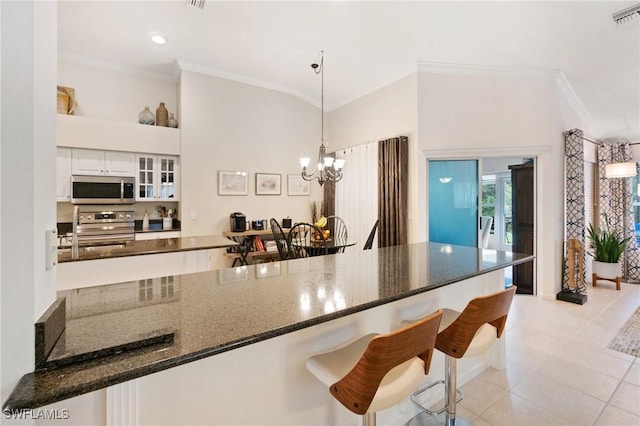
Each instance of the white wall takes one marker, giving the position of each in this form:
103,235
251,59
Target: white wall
237,127
471,115
498,164
388,112
483,114
115,95
27,170
491,114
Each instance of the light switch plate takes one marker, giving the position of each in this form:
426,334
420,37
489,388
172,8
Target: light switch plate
194,215
51,242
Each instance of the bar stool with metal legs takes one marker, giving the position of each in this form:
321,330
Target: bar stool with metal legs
378,370
464,334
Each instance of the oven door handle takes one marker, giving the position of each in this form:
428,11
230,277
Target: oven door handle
121,189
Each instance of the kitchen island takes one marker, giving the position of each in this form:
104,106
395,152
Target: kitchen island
261,322
97,265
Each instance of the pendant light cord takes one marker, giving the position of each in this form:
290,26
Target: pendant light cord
319,69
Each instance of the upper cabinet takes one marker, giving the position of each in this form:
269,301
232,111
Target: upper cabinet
157,177
63,174
95,133
102,163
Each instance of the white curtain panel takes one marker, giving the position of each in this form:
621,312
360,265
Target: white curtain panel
357,192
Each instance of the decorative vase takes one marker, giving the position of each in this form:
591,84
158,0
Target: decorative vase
606,270
172,121
162,116
146,116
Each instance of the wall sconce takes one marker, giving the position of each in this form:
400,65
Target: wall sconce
620,170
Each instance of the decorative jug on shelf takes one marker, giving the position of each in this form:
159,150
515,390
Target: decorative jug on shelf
162,115
146,116
172,121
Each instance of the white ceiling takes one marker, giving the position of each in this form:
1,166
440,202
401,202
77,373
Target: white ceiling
368,45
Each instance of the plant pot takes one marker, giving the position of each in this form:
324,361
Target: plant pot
606,270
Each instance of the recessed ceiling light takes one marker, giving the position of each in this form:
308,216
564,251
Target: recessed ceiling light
158,39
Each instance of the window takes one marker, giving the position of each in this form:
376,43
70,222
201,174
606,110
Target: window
496,202
489,198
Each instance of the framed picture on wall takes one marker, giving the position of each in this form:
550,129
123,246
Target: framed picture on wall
233,183
298,186
268,183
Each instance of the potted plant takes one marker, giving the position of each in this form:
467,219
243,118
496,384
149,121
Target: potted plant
607,247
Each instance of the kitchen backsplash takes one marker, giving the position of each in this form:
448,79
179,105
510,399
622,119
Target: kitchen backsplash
65,210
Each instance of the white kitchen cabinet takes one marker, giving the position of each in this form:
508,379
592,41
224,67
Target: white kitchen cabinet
63,174
157,177
102,163
140,236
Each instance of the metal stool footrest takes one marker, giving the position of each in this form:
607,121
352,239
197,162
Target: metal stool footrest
427,387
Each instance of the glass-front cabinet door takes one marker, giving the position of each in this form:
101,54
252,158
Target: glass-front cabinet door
157,177
168,166
145,178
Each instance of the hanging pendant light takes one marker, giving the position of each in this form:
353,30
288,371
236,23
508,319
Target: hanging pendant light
328,168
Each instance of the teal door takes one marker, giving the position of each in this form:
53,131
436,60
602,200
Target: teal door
453,202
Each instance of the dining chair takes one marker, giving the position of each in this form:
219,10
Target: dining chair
338,229
371,237
280,239
306,240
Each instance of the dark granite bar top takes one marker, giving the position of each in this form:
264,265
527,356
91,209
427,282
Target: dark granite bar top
217,311
156,246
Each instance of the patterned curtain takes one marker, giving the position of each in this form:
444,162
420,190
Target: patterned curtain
393,171
616,201
574,204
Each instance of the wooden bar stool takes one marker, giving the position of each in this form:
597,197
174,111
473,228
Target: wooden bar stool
464,334
378,370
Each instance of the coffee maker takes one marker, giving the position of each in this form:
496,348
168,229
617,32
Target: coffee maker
237,222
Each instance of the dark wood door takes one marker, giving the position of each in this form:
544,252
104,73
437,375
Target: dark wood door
522,211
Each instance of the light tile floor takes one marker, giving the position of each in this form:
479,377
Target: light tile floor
559,370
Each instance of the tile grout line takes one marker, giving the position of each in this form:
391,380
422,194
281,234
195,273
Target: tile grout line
608,402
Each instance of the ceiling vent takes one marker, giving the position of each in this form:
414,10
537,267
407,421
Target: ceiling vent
196,3
627,14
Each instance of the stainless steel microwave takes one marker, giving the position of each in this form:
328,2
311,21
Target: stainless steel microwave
102,190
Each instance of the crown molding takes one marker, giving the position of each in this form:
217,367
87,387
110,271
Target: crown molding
557,76
488,70
374,87
567,90
113,66
213,72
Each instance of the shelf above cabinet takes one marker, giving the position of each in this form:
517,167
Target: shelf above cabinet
94,133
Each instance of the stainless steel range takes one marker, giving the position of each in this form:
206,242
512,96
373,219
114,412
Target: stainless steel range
105,227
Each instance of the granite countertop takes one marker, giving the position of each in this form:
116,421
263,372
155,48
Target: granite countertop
212,312
143,247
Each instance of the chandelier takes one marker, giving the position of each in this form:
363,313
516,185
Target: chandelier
328,167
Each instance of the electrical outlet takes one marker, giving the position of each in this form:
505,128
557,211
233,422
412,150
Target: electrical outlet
155,213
